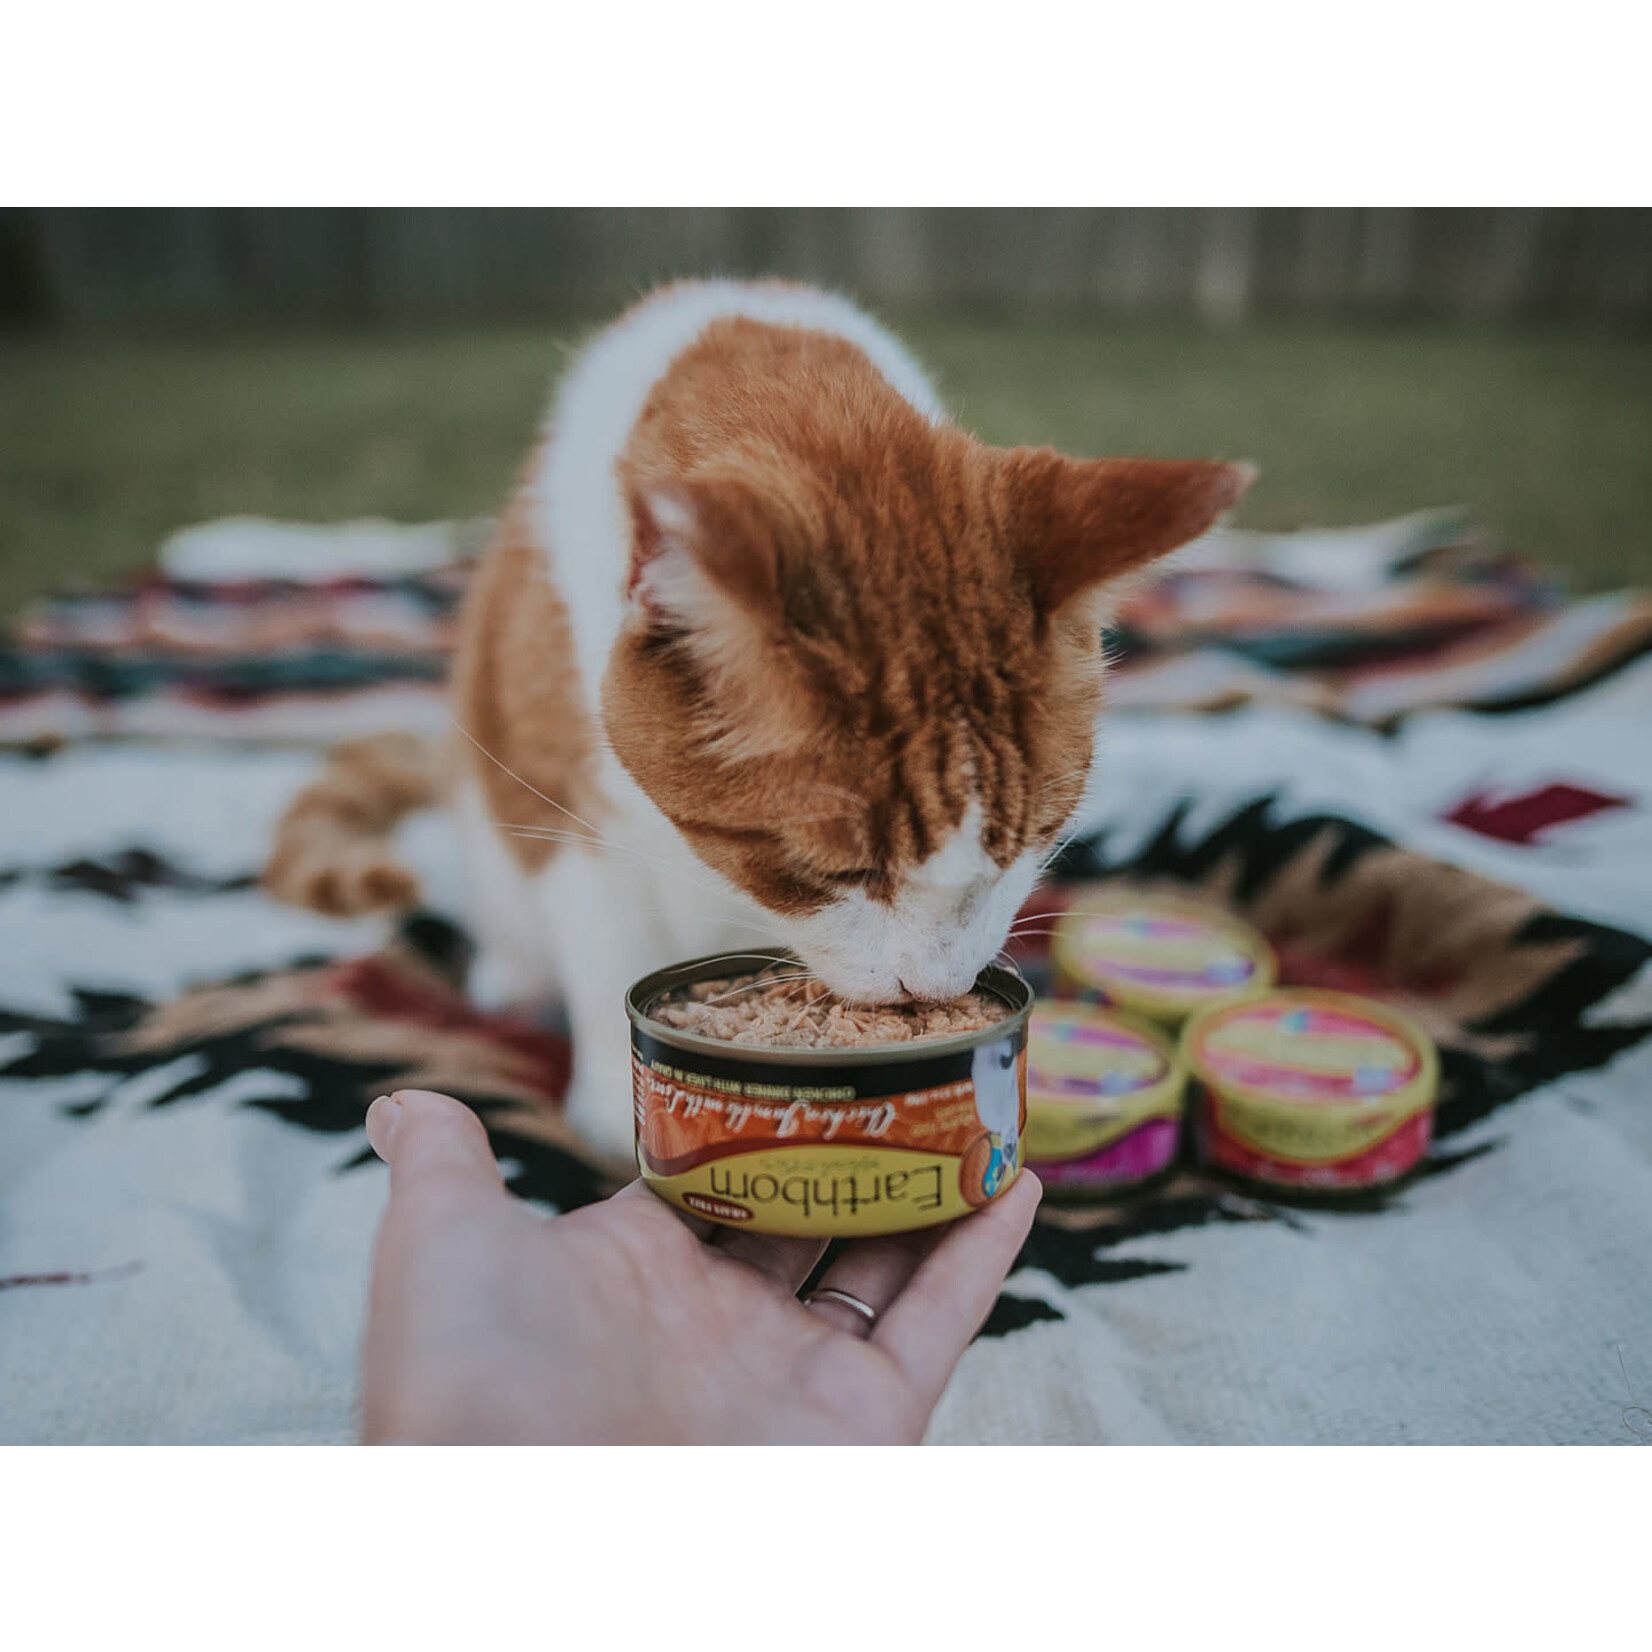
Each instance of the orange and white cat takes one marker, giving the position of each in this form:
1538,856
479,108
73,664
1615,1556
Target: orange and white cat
765,649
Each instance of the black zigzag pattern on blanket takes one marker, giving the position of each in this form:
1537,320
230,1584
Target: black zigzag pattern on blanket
124,877
322,1093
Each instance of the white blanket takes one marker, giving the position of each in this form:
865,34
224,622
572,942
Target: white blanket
184,1250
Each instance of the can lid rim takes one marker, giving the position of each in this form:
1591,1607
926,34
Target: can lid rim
1417,1094
1009,988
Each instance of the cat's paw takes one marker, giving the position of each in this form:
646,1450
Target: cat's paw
348,880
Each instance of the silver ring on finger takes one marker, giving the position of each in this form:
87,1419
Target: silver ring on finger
830,1293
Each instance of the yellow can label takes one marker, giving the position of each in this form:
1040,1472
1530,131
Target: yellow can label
1303,1136
837,1152
1092,1078
810,1191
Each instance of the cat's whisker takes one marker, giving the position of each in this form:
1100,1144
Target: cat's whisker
1062,779
1059,847
527,786
767,981
804,820
763,932
858,802
554,834
606,845
561,834
596,837
1064,838
761,979
727,917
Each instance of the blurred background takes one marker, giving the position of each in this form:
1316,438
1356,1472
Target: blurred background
164,367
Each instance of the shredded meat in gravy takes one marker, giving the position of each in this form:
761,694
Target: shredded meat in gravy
801,1014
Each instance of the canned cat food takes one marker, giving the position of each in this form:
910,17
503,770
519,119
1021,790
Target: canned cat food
1160,956
1104,1097
837,1136
1313,1090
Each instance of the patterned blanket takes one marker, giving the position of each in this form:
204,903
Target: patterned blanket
1404,756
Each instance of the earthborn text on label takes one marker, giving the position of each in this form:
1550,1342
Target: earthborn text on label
869,1141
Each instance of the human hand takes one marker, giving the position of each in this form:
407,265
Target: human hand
627,1322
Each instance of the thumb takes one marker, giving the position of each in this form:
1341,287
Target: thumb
431,1142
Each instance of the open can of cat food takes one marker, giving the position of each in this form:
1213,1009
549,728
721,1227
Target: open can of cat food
883,1121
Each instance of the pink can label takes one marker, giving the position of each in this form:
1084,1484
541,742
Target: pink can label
1079,1060
1308,1054
1162,953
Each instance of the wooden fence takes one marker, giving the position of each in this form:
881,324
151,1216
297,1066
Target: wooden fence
74,268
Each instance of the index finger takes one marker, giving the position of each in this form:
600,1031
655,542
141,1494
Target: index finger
929,1325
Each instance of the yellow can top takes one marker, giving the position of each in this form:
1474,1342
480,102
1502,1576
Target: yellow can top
1330,1060
1161,956
1092,1077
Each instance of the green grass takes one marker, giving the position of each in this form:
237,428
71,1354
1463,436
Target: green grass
106,446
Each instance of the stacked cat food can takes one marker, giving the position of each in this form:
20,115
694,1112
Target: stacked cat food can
1162,957
1104,1098
1107,1081
1167,1012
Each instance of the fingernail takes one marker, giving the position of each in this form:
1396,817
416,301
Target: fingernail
382,1118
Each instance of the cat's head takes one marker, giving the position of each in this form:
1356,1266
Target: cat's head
860,675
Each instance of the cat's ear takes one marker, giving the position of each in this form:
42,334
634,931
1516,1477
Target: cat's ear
705,572
1089,521
702,563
